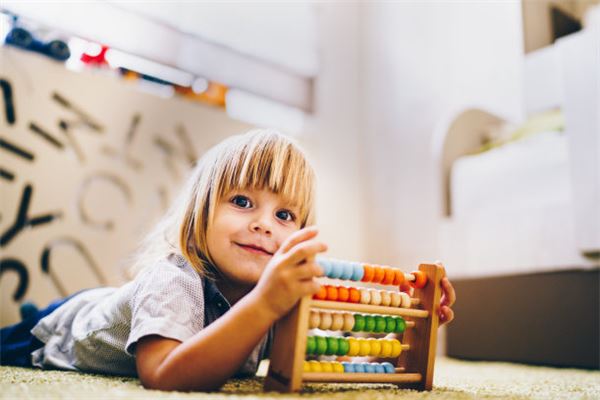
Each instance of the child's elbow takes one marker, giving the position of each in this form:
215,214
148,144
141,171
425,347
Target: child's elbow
164,383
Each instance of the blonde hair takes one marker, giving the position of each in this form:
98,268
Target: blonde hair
258,159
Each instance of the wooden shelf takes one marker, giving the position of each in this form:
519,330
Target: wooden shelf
360,377
369,309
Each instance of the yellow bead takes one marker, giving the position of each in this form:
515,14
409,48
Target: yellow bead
306,366
375,347
396,348
326,366
365,347
338,367
354,347
315,366
386,348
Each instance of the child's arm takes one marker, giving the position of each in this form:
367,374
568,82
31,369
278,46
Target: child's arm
206,360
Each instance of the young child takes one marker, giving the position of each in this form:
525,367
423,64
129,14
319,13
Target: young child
233,254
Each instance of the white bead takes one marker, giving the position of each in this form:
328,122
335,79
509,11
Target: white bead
326,321
396,299
365,296
338,322
406,303
386,298
375,297
348,322
314,320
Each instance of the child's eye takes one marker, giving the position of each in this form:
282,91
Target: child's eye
241,201
285,215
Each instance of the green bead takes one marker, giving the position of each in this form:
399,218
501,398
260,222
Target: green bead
359,323
400,325
369,323
311,345
332,346
343,347
379,324
390,324
321,345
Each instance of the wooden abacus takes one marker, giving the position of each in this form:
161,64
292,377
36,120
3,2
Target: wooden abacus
340,308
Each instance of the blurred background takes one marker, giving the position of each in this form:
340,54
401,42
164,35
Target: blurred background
467,132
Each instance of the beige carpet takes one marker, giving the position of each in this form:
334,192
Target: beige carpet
453,380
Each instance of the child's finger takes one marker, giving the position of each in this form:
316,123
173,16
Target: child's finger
308,270
299,237
309,287
449,293
446,314
304,251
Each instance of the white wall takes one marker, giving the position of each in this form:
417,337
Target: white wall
420,60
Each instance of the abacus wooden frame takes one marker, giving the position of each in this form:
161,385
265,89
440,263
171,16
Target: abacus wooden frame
286,366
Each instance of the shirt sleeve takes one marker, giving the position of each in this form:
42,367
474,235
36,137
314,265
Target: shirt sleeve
167,301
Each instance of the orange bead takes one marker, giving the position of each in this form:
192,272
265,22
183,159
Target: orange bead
388,276
405,287
378,275
420,279
322,294
368,275
332,293
343,293
354,295
398,277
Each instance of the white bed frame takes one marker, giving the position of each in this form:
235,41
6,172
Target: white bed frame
565,75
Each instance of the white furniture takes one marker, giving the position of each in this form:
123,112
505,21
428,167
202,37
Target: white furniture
532,205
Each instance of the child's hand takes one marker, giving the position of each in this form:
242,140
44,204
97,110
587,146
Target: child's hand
289,274
448,298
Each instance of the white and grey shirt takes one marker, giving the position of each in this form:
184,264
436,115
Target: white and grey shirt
97,330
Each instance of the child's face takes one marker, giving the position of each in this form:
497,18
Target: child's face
248,227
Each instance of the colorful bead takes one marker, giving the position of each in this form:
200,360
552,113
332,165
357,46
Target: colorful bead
378,368
332,293
343,293
390,324
388,367
386,298
386,348
368,273
348,367
338,322
396,299
369,369
321,345
354,295
306,366
396,348
348,322
332,346
388,276
353,347
311,345
379,324
375,347
398,277
326,321
375,297
365,296
322,294
337,367
325,265
343,347
315,366
420,279
326,366
400,325
406,302
365,347
357,272
378,274
314,320
347,271
359,367
359,323
369,323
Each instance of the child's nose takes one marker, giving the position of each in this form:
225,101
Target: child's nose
260,225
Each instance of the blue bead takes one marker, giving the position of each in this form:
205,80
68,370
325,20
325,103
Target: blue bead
358,272
389,368
370,369
359,367
378,368
336,270
347,271
348,367
326,265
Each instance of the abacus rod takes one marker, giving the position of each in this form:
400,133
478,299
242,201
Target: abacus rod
360,377
365,308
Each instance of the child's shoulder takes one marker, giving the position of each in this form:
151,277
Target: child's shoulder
172,270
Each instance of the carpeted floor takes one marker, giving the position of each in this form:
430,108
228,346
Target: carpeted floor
454,379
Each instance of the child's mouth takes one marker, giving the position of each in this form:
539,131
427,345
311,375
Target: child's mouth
254,249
